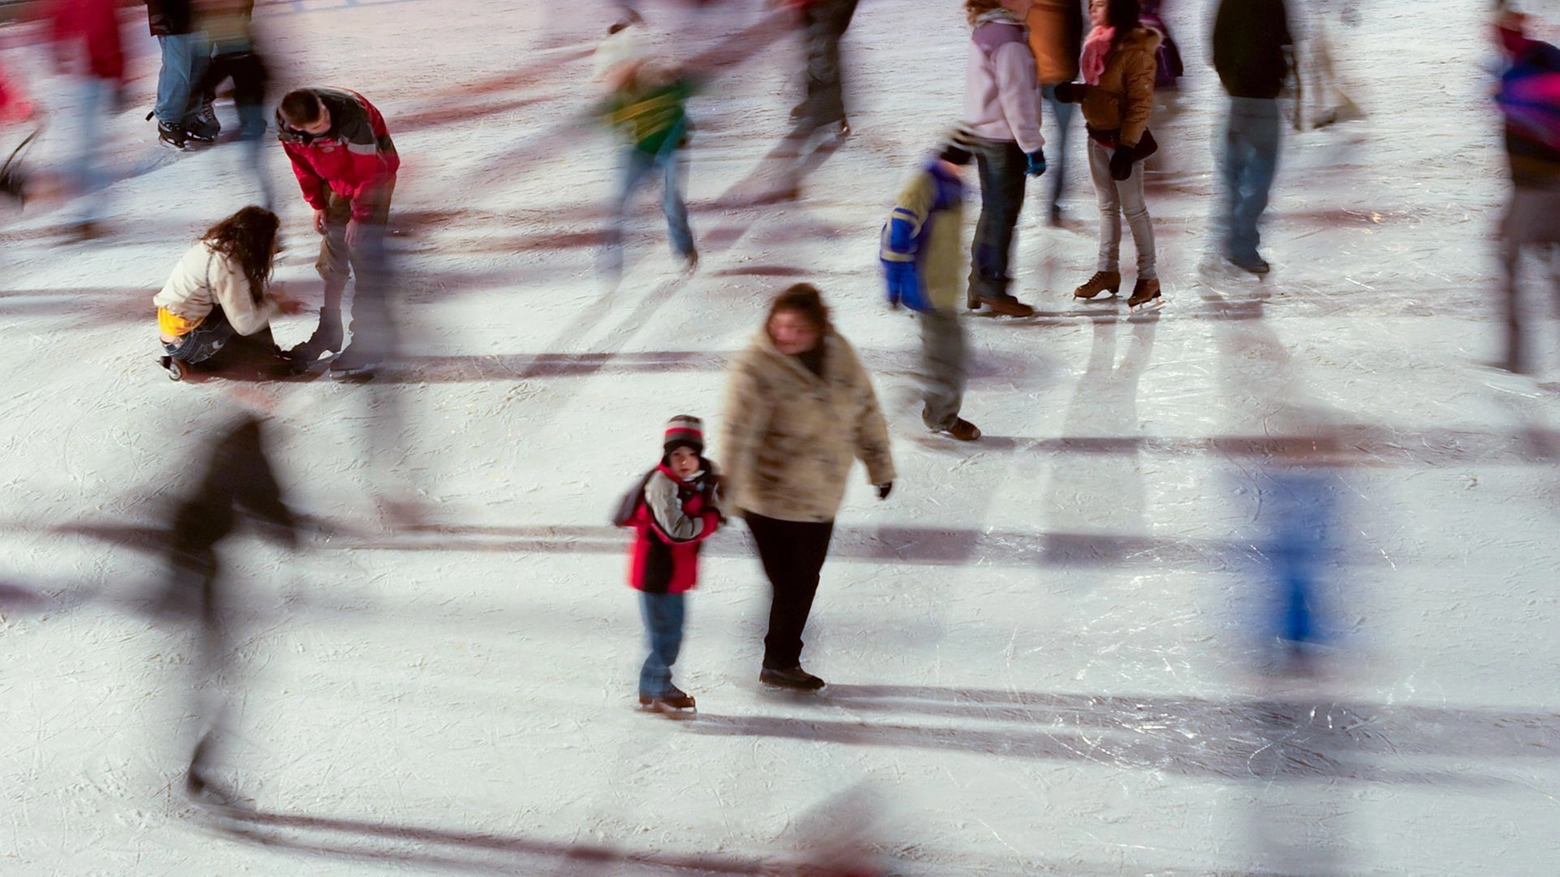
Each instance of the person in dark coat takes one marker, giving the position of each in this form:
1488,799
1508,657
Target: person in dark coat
1251,45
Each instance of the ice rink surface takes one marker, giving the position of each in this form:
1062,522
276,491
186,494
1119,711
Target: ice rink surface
1042,649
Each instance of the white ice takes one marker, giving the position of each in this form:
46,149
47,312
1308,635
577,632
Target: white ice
1039,648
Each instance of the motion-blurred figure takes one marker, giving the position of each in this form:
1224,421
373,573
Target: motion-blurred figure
1529,99
234,55
184,113
220,290
1002,108
14,108
346,165
1250,52
922,253
648,106
87,44
1117,93
1298,517
1316,70
1056,38
823,24
238,476
1168,67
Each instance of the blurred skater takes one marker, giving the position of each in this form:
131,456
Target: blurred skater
234,55
1056,38
14,108
1298,518
87,45
648,106
673,511
346,164
922,254
237,476
1001,106
1168,67
823,24
799,409
184,113
1251,43
1119,62
220,289
1318,83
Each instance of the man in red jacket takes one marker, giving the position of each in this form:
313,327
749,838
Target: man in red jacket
345,163
87,43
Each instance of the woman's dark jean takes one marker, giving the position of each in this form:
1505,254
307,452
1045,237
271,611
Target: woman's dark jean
792,553
1002,166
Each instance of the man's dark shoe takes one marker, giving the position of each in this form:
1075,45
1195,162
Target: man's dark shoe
793,678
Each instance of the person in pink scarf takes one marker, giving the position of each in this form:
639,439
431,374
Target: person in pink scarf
1117,93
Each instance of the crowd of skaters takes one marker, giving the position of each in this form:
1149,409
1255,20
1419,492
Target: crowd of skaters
786,458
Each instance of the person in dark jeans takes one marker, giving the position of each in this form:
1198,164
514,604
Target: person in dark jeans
1250,52
183,111
799,410
824,23
1056,38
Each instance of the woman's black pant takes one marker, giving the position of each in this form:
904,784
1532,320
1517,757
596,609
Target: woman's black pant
792,553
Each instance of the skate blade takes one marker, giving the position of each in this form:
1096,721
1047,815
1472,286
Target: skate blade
668,711
1148,306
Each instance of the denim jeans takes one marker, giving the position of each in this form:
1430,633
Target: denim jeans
87,180
202,342
663,614
637,165
1057,171
184,60
1002,165
1118,198
1247,162
942,367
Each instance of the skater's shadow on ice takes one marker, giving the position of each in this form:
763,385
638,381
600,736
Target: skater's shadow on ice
1236,739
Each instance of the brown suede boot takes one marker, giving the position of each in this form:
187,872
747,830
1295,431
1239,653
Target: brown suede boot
1102,281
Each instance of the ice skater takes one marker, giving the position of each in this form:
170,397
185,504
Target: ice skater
234,55
648,105
675,509
237,476
1001,106
1251,45
87,43
219,290
15,107
1529,100
1117,94
922,253
184,113
346,165
799,409
1056,38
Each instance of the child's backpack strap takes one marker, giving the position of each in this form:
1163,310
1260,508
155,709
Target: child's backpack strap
630,501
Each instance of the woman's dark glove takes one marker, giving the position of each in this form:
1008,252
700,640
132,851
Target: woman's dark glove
1068,92
885,489
1121,163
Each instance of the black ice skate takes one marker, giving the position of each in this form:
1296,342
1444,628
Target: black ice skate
1145,295
790,678
673,703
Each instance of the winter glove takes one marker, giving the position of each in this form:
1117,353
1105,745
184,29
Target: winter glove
1121,163
885,489
1068,92
903,284
1036,163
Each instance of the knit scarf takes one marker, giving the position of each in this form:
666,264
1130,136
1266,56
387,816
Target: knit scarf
1096,49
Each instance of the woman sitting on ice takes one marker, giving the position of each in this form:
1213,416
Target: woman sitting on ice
219,290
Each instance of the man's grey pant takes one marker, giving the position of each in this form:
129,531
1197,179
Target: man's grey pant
942,367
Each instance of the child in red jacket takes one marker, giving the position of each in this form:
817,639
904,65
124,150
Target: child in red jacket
676,511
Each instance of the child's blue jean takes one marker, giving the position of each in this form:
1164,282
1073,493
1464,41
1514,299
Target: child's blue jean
637,165
663,614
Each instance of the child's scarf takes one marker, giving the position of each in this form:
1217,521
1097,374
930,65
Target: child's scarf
1096,48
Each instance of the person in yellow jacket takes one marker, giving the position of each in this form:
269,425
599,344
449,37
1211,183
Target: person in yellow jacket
799,410
1119,62
219,290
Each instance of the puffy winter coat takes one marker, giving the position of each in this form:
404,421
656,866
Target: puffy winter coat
96,25
355,159
205,278
790,436
1056,38
1117,108
927,227
671,522
1000,97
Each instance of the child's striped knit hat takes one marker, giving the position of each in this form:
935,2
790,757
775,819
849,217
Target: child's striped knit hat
684,429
